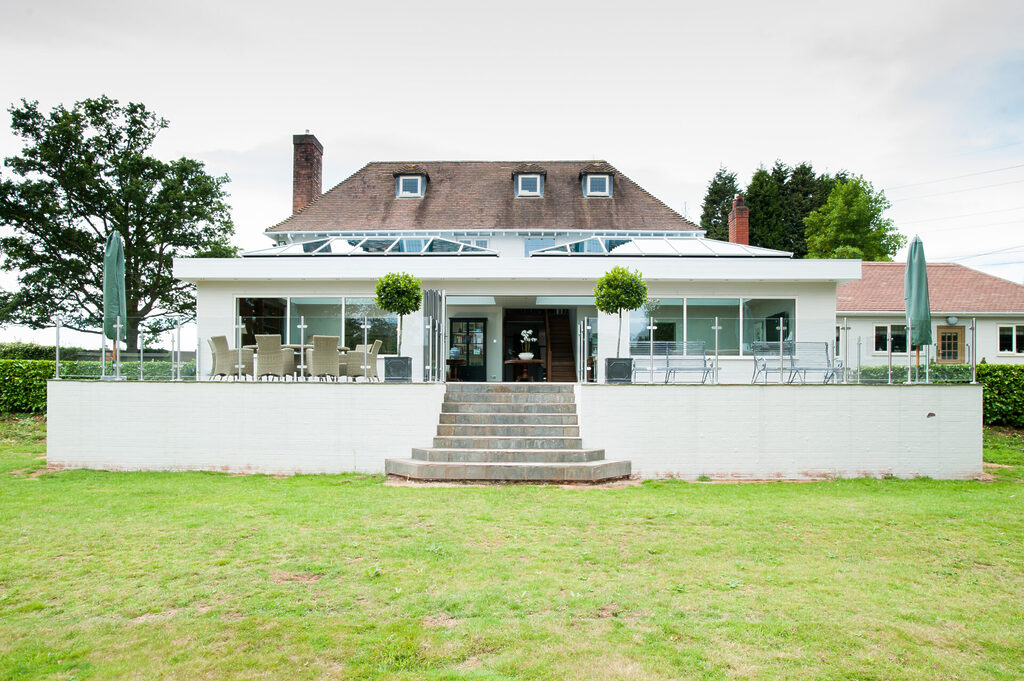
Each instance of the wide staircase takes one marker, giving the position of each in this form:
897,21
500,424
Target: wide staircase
508,432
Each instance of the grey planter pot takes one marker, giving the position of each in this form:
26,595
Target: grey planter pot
618,370
398,369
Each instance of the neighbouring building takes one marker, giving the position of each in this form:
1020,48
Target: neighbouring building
873,310
506,247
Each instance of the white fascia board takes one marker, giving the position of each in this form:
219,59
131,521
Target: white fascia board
936,313
483,268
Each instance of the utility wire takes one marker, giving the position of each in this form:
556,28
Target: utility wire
955,177
958,191
969,227
978,255
956,217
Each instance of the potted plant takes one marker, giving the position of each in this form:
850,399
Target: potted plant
399,293
527,338
618,290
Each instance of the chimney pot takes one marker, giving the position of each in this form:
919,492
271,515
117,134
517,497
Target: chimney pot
307,170
739,222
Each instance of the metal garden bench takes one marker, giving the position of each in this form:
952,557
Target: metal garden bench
672,359
794,360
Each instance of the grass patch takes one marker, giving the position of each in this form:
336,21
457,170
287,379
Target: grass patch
1004,447
210,576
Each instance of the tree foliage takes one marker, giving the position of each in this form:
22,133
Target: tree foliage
853,219
714,217
620,289
401,294
779,199
83,172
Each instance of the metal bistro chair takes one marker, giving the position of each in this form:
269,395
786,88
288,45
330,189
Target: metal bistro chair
323,360
272,358
226,360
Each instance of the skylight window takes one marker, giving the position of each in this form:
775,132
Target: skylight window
597,185
410,186
530,185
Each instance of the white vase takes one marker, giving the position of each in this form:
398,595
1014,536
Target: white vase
525,355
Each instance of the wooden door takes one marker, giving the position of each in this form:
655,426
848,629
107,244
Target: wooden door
950,345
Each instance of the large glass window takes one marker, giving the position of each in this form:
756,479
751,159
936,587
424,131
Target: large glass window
322,317
700,320
382,326
668,320
533,243
762,318
262,316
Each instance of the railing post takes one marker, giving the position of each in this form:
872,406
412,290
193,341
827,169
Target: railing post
57,348
177,364
238,348
716,329
927,364
974,349
366,349
888,340
302,345
846,348
103,353
117,347
650,337
142,352
910,348
782,357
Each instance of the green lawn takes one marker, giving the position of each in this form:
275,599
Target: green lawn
211,576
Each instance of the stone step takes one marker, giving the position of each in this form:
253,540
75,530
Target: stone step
510,397
507,430
590,471
492,418
510,388
507,455
507,408
454,442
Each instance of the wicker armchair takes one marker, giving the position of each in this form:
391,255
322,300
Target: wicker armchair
274,360
225,360
360,363
323,360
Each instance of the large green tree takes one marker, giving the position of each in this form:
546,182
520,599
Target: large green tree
766,199
84,171
852,224
714,217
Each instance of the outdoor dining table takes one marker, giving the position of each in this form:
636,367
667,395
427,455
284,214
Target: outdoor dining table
298,348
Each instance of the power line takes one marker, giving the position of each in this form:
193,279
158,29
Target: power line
956,217
958,191
978,255
955,177
970,227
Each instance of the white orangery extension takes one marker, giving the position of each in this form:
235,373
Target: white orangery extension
329,293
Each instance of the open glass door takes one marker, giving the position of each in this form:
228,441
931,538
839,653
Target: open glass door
470,337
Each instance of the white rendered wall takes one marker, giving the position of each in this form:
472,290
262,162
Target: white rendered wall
238,427
863,327
786,432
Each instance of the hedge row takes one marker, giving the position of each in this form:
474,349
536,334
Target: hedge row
33,351
23,381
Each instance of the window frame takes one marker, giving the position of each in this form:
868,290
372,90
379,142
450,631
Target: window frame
420,185
590,193
1016,330
521,194
889,336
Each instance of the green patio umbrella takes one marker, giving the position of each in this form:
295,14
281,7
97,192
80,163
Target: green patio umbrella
113,288
915,297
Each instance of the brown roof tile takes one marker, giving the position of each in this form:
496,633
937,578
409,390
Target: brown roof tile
478,195
951,288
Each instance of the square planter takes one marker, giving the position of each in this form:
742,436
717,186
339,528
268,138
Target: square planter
618,370
398,369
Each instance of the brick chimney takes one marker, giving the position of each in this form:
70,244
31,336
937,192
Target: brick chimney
739,222
307,170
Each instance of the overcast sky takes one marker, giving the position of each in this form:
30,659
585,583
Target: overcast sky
905,93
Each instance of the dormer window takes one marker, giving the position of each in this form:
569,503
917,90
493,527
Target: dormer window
595,184
410,186
529,185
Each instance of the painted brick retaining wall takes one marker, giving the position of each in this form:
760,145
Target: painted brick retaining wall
239,427
784,431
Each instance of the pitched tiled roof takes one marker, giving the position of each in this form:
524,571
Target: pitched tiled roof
478,195
951,288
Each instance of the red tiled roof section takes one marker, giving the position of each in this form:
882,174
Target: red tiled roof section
951,288
478,195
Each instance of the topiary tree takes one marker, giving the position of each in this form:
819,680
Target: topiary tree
620,289
401,294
